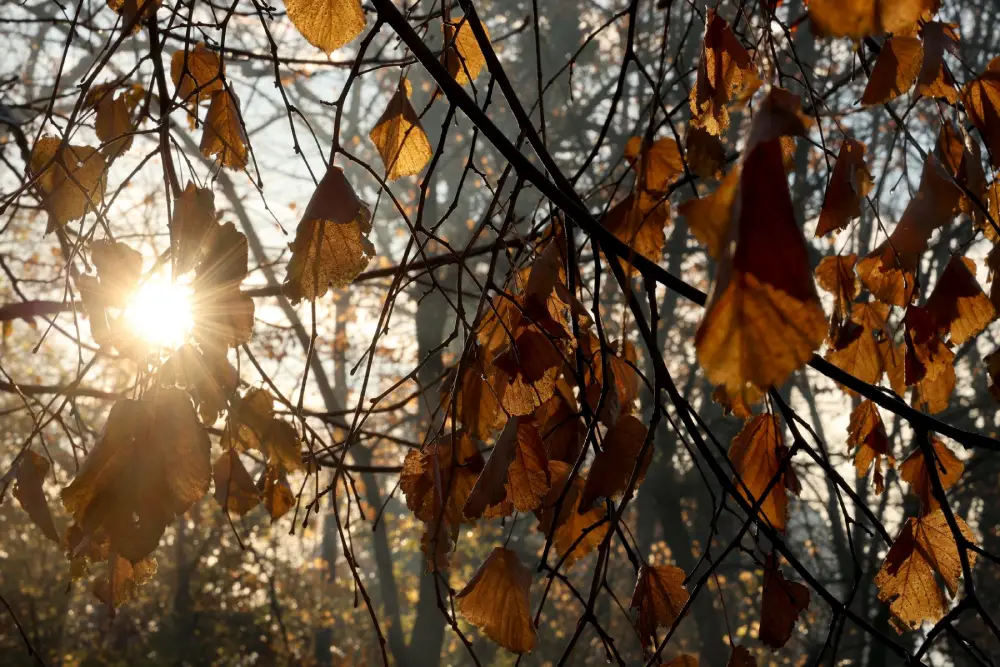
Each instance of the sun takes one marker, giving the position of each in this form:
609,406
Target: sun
160,312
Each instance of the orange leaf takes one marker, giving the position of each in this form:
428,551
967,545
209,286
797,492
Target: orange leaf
574,535
464,59
756,454
517,471
914,471
895,70
234,489
399,138
656,165
724,71
30,475
850,183
958,304
659,596
224,136
861,18
836,275
934,79
782,602
496,601
440,477
981,97
866,432
709,217
198,73
613,465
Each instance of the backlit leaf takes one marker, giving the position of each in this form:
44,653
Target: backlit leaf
31,471
223,136
724,70
895,70
327,24
914,471
866,433
464,59
399,137
613,465
496,600
234,488
756,454
782,602
73,183
849,185
659,596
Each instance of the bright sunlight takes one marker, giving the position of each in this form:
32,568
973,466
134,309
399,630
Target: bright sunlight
160,311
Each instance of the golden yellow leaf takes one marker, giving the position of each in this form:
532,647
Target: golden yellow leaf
924,549
856,351
399,138
73,183
278,496
895,70
223,135
496,600
709,217
866,432
234,489
327,24
659,596
756,454
914,471
198,73
331,245
862,18
958,304
724,71
463,58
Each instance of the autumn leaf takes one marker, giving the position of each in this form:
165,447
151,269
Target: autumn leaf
463,57
134,12
705,153
686,660
895,70
223,136
849,184
724,70
958,304
234,488
657,164
150,465
741,657
71,179
862,18
399,137
889,271
197,73
835,275
114,123
273,486
119,268
659,596
914,471
981,97
613,465
763,318
709,217
929,362
638,221
252,424
31,470
440,477
123,580
756,454
934,79
331,245
866,433
517,471
993,369
191,226
209,378
574,534
924,550
739,405
560,426
436,544
496,600
782,602
855,351
327,24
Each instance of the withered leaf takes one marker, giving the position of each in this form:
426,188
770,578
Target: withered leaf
613,465
724,70
31,471
399,137
895,70
197,73
856,351
574,535
739,405
835,274
224,136
73,183
782,602
657,164
191,226
741,657
924,550
327,24
517,471
209,378
934,79
123,580
253,425
134,12
756,454
440,477
709,217
234,488
862,18
331,245
958,304
705,153
981,97
659,596
914,471
639,221
464,59
273,486
150,465
850,183
866,432
496,600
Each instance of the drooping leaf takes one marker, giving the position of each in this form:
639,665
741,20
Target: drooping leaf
71,179
835,274
657,164
327,24
782,602
399,137
224,136
516,472
924,550
866,433
252,424
209,378
574,535
191,226
756,454
123,580
934,79
150,465
613,465
709,217
958,304
273,486
895,70
197,73
705,153
463,58
915,472
850,183
724,70
331,245
234,488
496,601
438,479
981,97
31,471
659,596
862,18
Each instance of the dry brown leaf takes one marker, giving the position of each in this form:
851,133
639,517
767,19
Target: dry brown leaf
560,426
614,464
686,660
741,657
234,488
862,18
209,378
639,221
756,454
657,165
31,471
895,70
74,181
574,535
924,550
123,580
114,124
739,405
705,153
850,183
399,137
856,351
496,600
464,59
253,425
441,472
198,73
273,486
659,596
134,12
914,471
724,71
437,546
191,227
889,271
835,274
709,217
782,602
517,471
866,433
763,319
223,136
327,24
934,79
150,465
331,245
958,304
981,97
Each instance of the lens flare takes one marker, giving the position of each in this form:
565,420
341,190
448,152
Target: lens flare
160,312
